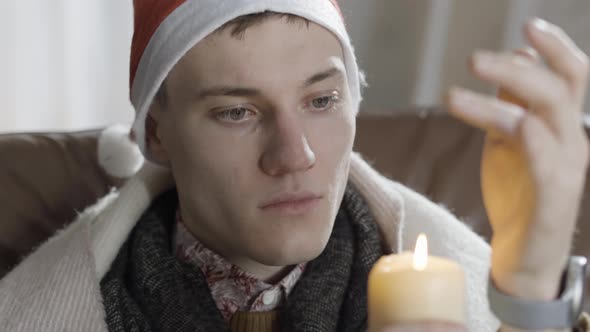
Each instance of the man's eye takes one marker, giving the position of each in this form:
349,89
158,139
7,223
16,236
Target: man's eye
323,103
235,114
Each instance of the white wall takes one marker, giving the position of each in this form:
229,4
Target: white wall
64,63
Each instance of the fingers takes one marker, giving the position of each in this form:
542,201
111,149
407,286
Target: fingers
485,112
529,53
554,94
560,52
544,91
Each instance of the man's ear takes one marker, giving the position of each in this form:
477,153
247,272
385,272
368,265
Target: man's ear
156,152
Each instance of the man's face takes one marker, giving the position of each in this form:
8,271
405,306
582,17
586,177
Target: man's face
258,132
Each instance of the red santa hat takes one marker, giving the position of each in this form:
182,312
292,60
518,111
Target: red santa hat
166,29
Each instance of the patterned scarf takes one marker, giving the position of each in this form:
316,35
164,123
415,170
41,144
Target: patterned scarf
148,289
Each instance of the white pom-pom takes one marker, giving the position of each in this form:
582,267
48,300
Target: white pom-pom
117,154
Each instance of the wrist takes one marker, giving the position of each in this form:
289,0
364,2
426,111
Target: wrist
528,271
524,312
538,287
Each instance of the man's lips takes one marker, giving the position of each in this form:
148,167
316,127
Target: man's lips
291,201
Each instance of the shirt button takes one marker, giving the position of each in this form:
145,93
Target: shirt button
270,297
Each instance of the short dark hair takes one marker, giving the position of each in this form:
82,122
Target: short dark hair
238,27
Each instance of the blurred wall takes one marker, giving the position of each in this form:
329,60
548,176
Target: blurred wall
64,63
413,51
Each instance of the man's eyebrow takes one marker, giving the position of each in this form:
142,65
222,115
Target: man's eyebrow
235,91
231,91
324,75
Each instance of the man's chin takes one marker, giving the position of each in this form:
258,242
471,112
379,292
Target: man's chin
291,255
297,241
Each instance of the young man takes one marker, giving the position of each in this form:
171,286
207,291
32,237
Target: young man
273,223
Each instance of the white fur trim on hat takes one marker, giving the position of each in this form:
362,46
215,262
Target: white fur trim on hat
195,19
117,154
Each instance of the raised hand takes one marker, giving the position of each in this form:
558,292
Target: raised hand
535,157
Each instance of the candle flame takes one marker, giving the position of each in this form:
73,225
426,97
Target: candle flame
421,253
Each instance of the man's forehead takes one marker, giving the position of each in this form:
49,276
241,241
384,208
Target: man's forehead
265,55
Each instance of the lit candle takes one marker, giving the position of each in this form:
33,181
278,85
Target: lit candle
415,287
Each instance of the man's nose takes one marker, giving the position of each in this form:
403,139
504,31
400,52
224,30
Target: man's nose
288,149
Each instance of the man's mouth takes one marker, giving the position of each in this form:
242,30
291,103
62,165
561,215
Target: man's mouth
291,203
